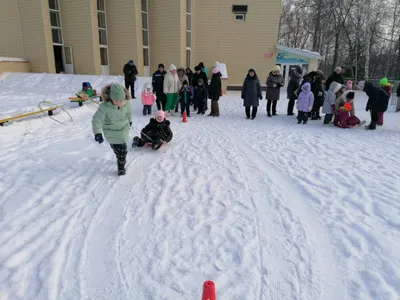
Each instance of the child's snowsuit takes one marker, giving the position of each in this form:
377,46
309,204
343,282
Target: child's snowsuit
154,133
304,103
344,120
200,98
329,103
148,99
185,98
115,123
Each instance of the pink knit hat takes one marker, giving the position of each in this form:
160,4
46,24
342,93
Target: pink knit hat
160,113
215,70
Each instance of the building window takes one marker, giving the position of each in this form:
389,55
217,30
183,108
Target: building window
104,56
55,22
102,22
239,17
188,32
145,33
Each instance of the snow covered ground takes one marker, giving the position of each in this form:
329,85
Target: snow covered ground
267,209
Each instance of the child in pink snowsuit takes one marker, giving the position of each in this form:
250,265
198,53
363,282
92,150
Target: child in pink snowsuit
148,99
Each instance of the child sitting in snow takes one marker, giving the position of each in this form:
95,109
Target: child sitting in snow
155,133
304,103
148,99
344,119
114,118
185,98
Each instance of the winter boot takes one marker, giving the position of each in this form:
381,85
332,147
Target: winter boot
121,168
157,144
135,142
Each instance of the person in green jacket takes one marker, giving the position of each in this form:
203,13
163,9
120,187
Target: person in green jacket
114,119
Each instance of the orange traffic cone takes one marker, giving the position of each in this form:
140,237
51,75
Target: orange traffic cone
184,117
208,291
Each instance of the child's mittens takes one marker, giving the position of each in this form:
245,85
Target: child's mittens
99,138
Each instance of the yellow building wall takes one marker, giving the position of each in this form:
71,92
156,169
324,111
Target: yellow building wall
11,66
36,34
241,45
167,32
124,34
80,30
10,30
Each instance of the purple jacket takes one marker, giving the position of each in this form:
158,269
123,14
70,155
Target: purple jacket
305,100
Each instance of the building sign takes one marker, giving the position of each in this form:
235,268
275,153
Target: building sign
288,58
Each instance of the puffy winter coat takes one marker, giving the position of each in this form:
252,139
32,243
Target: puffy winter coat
343,99
214,90
148,98
200,93
319,92
185,95
130,72
334,77
171,81
251,91
196,77
344,120
273,93
331,98
158,81
294,83
305,100
112,120
378,99
158,130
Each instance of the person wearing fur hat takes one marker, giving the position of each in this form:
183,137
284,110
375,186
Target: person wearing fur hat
195,79
274,83
336,76
148,99
171,88
378,101
304,103
214,92
344,120
158,87
130,72
156,133
251,94
114,119
294,84
329,104
200,96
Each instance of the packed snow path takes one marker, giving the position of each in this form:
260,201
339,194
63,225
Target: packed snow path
267,209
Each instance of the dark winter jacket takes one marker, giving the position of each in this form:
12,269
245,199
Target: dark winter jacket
156,130
196,78
200,93
158,81
251,91
130,72
185,95
317,89
334,77
189,74
398,90
294,83
378,99
214,90
273,93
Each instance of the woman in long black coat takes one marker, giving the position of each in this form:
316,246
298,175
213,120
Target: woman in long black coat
214,92
294,84
251,94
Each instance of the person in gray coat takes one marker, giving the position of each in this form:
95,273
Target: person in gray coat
251,93
329,104
274,83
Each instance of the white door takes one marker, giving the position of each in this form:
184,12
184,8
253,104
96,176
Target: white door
69,63
146,70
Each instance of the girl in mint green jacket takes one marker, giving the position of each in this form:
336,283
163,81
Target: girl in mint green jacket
114,119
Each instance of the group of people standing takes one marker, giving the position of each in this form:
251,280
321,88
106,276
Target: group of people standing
185,88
